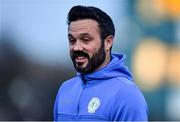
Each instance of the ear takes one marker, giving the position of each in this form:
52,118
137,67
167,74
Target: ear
108,42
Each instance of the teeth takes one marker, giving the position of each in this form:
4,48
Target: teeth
80,57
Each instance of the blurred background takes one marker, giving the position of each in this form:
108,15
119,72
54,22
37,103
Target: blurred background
34,54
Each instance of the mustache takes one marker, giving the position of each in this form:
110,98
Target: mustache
79,53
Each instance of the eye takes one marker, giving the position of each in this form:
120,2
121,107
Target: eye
86,39
72,41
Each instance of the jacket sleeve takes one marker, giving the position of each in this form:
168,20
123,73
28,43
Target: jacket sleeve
55,113
129,105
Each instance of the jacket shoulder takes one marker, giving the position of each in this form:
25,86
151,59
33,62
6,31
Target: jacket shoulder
128,102
69,83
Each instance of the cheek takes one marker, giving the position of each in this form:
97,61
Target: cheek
70,49
70,52
92,51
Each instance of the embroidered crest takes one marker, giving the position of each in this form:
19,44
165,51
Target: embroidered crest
93,105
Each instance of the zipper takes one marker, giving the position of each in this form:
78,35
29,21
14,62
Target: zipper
84,85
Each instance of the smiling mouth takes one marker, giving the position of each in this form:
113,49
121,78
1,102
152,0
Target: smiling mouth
80,59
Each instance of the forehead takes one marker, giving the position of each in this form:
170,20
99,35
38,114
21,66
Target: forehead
84,26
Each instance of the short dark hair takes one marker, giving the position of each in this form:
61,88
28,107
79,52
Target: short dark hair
88,12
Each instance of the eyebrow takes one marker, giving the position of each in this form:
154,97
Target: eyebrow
84,34
70,35
81,35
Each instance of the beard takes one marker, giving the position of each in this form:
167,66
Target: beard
93,62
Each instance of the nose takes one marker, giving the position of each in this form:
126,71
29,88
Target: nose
77,46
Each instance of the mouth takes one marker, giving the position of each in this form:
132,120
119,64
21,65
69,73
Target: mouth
80,59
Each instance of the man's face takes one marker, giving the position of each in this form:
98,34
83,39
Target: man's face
86,48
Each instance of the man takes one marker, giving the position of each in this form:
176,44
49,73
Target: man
103,88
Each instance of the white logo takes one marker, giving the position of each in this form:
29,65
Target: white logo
93,105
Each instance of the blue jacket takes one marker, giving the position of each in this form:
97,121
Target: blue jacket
108,94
